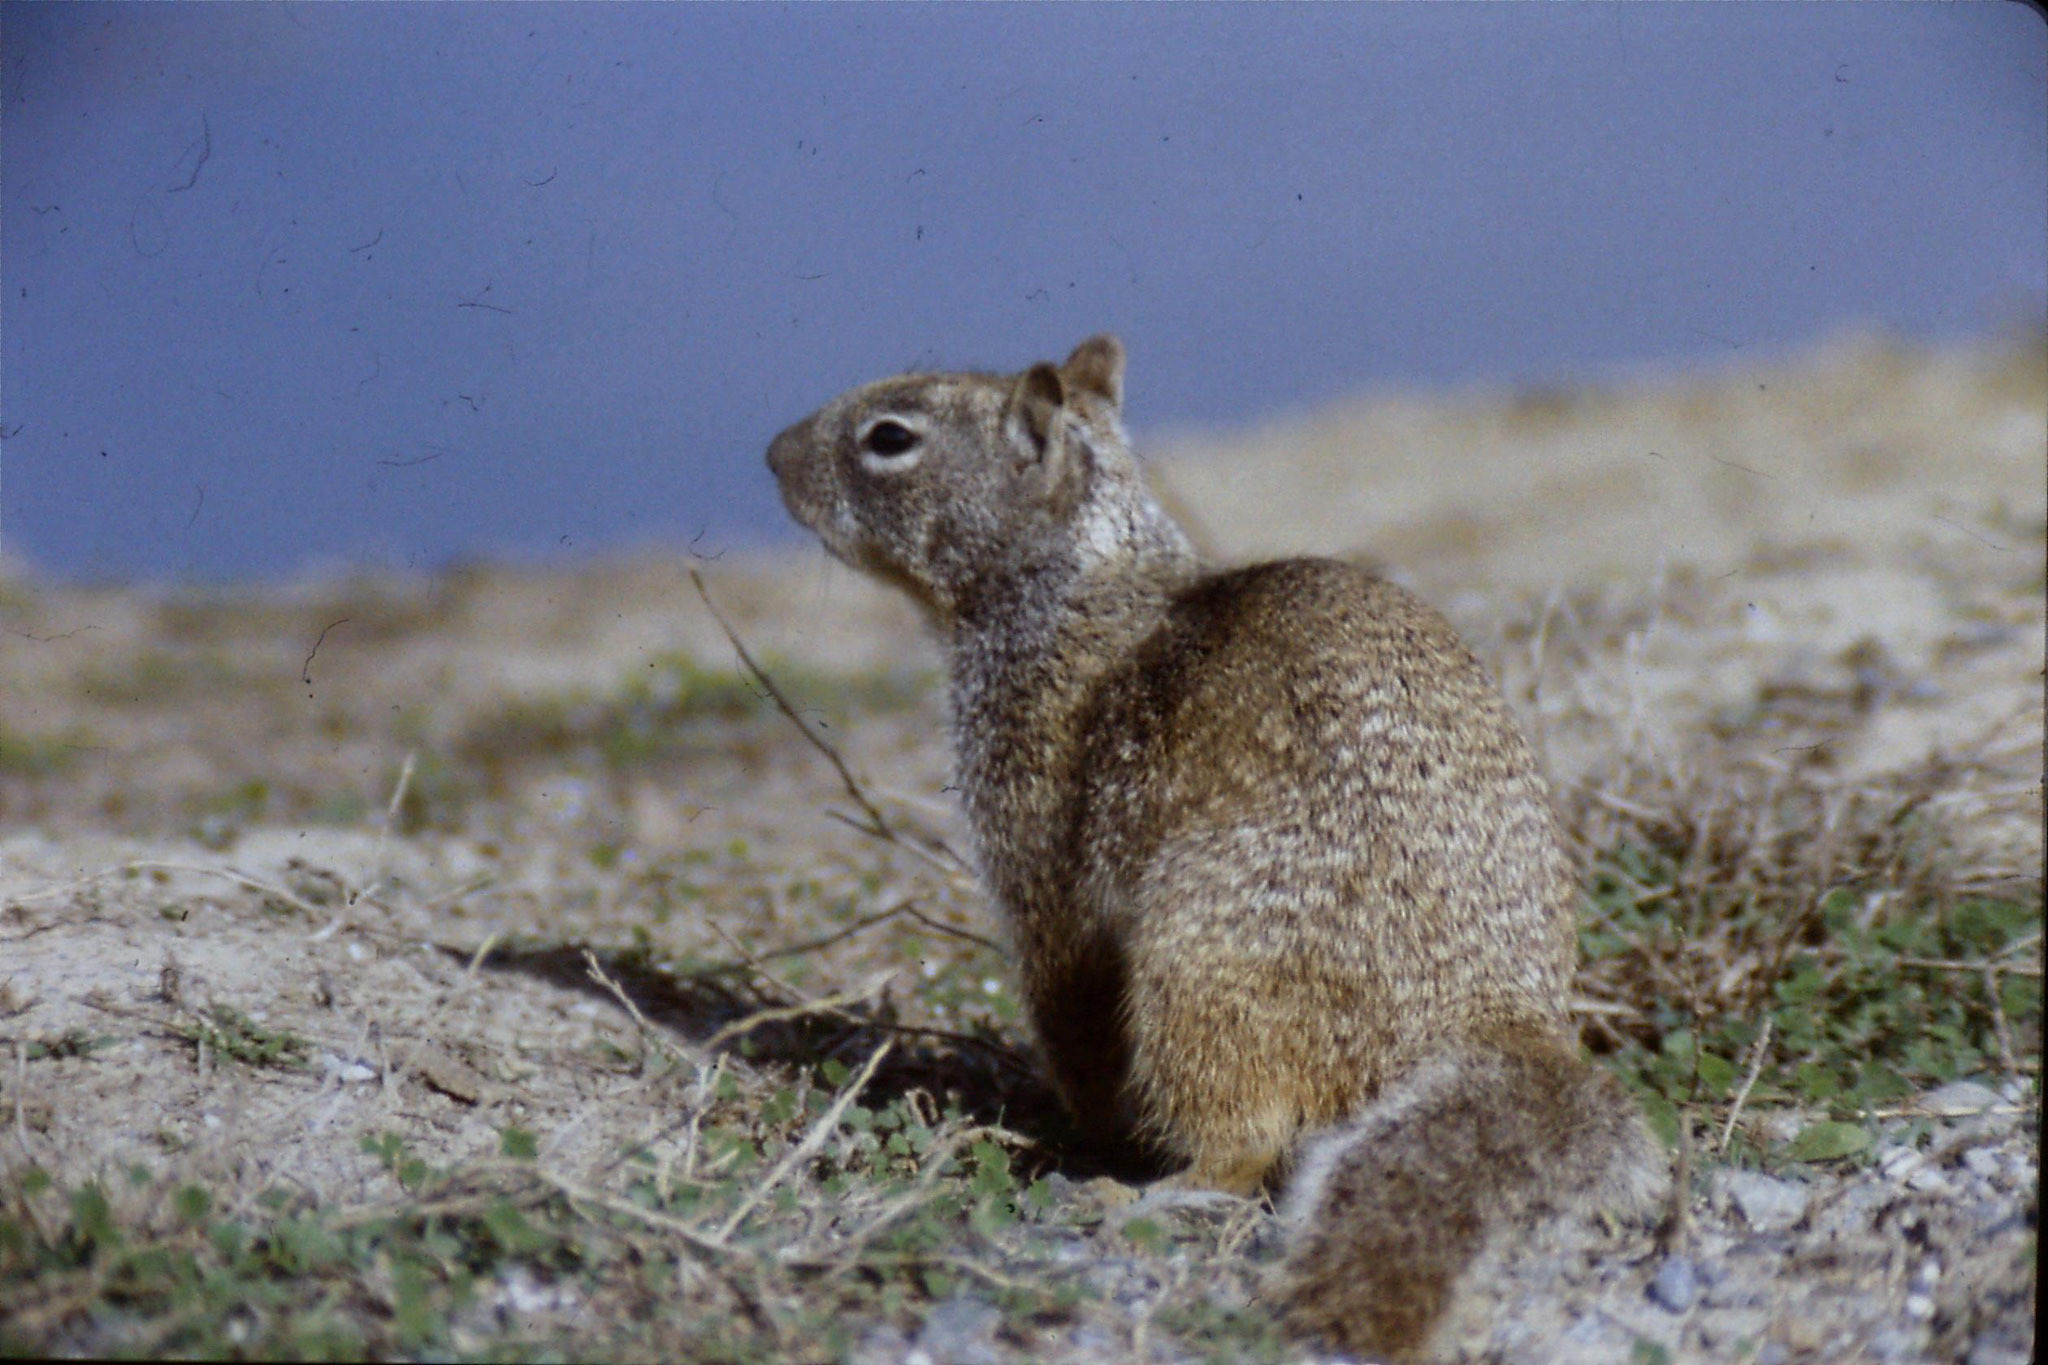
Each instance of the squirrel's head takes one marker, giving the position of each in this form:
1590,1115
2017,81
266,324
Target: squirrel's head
937,482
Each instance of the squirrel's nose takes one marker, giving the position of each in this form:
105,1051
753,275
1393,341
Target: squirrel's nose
785,451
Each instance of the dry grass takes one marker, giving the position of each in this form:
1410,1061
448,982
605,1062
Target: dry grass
1732,893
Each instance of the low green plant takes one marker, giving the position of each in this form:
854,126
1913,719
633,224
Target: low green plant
228,1032
658,709
223,817
1877,994
73,1042
44,754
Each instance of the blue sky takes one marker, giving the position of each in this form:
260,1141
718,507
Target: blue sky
289,287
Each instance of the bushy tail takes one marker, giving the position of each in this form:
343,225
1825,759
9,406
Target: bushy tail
1390,1208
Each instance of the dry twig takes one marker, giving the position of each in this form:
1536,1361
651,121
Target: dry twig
2000,1029
846,1251
874,823
241,879
1678,1205
828,1004
647,1031
20,1093
1756,1067
906,908
625,1208
376,870
812,1141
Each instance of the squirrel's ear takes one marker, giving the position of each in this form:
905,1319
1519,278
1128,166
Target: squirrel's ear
1097,367
1036,404
1056,468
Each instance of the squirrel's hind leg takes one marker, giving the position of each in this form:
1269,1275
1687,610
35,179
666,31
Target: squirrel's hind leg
1212,1082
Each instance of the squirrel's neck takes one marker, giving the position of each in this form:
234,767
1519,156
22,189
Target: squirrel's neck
1031,640
1027,654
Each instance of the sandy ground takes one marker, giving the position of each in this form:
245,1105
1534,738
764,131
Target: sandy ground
1838,562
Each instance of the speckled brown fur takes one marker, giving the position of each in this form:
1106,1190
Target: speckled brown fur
1283,879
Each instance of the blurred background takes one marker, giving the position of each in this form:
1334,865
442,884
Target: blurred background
293,288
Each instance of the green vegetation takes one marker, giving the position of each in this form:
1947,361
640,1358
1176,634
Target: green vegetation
737,1249
157,677
1842,976
223,817
44,754
801,1203
438,796
659,709
74,1042
227,1032
1782,952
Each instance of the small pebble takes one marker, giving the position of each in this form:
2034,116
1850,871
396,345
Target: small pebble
1092,1342
1676,1285
1926,1275
1768,1203
881,1345
1595,1336
1927,1179
1990,1350
1984,1163
1959,1098
1898,1162
1896,1343
961,1331
1782,1125
345,1071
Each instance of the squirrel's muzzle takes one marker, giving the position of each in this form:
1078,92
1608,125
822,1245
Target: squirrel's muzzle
793,473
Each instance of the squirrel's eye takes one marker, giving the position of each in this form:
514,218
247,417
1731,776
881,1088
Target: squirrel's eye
888,438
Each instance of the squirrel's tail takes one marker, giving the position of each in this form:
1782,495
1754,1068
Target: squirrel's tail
1388,1209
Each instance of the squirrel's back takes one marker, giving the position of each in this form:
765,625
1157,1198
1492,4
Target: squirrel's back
1305,814
1282,875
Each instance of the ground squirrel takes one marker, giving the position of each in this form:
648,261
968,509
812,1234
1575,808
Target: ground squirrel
1287,895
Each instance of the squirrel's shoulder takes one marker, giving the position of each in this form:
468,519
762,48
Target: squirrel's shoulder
1304,647
1311,609
1304,585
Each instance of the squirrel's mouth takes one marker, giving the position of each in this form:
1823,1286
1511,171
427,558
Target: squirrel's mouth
843,539
799,507
794,476
800,496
